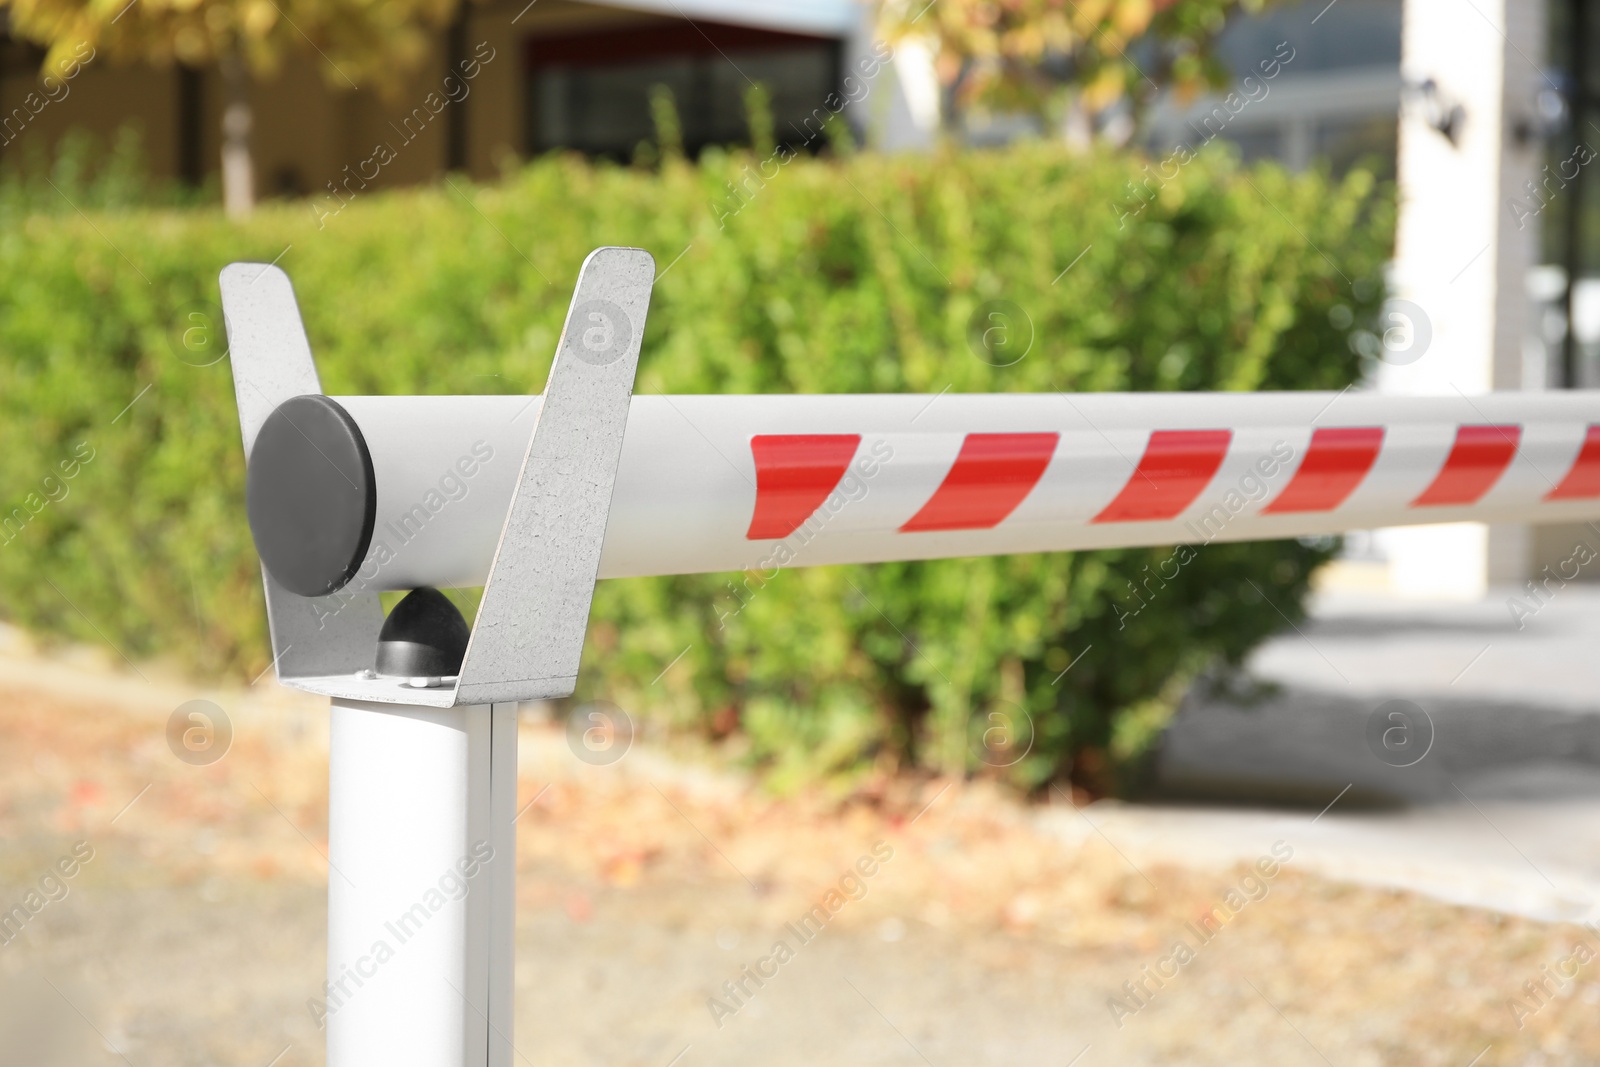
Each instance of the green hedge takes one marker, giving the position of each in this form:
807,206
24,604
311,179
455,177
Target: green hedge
855,274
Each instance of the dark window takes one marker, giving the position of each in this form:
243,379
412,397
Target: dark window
592,92
1565,200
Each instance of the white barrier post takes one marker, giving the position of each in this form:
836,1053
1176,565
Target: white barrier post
536,497
420,907
422,792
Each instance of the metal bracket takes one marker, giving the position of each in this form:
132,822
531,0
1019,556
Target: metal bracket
271,360
528,636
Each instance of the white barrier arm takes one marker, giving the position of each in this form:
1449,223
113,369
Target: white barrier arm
716,483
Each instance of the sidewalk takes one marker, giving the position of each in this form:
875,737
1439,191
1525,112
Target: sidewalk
1501,810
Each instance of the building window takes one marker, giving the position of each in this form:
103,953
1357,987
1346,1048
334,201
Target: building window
592,92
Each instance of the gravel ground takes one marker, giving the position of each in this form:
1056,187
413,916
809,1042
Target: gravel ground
195,933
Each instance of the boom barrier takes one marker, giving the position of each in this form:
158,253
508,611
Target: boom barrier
534,498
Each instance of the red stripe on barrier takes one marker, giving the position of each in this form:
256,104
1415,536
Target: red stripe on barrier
1583,480
1175,467
794,475
1336,461
993,473
1479,457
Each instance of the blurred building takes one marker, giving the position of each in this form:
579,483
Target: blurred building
544,74
1336,101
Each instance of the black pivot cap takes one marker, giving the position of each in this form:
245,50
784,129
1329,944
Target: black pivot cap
423,637
311,495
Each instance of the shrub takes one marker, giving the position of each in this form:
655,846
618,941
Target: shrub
857,274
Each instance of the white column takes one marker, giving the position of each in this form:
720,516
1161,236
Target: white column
898,106
420,906
1461,254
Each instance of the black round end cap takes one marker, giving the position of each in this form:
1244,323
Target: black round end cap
423,637
311,495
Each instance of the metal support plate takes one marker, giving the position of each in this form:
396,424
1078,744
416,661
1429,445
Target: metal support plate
271,361
528,637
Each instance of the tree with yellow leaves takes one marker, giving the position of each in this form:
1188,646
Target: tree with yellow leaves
358,42
1063,58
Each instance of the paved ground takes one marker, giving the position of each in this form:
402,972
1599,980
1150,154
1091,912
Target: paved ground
997,934
1502,810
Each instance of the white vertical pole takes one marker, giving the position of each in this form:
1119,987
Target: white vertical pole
1462,254
420,842
502,875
